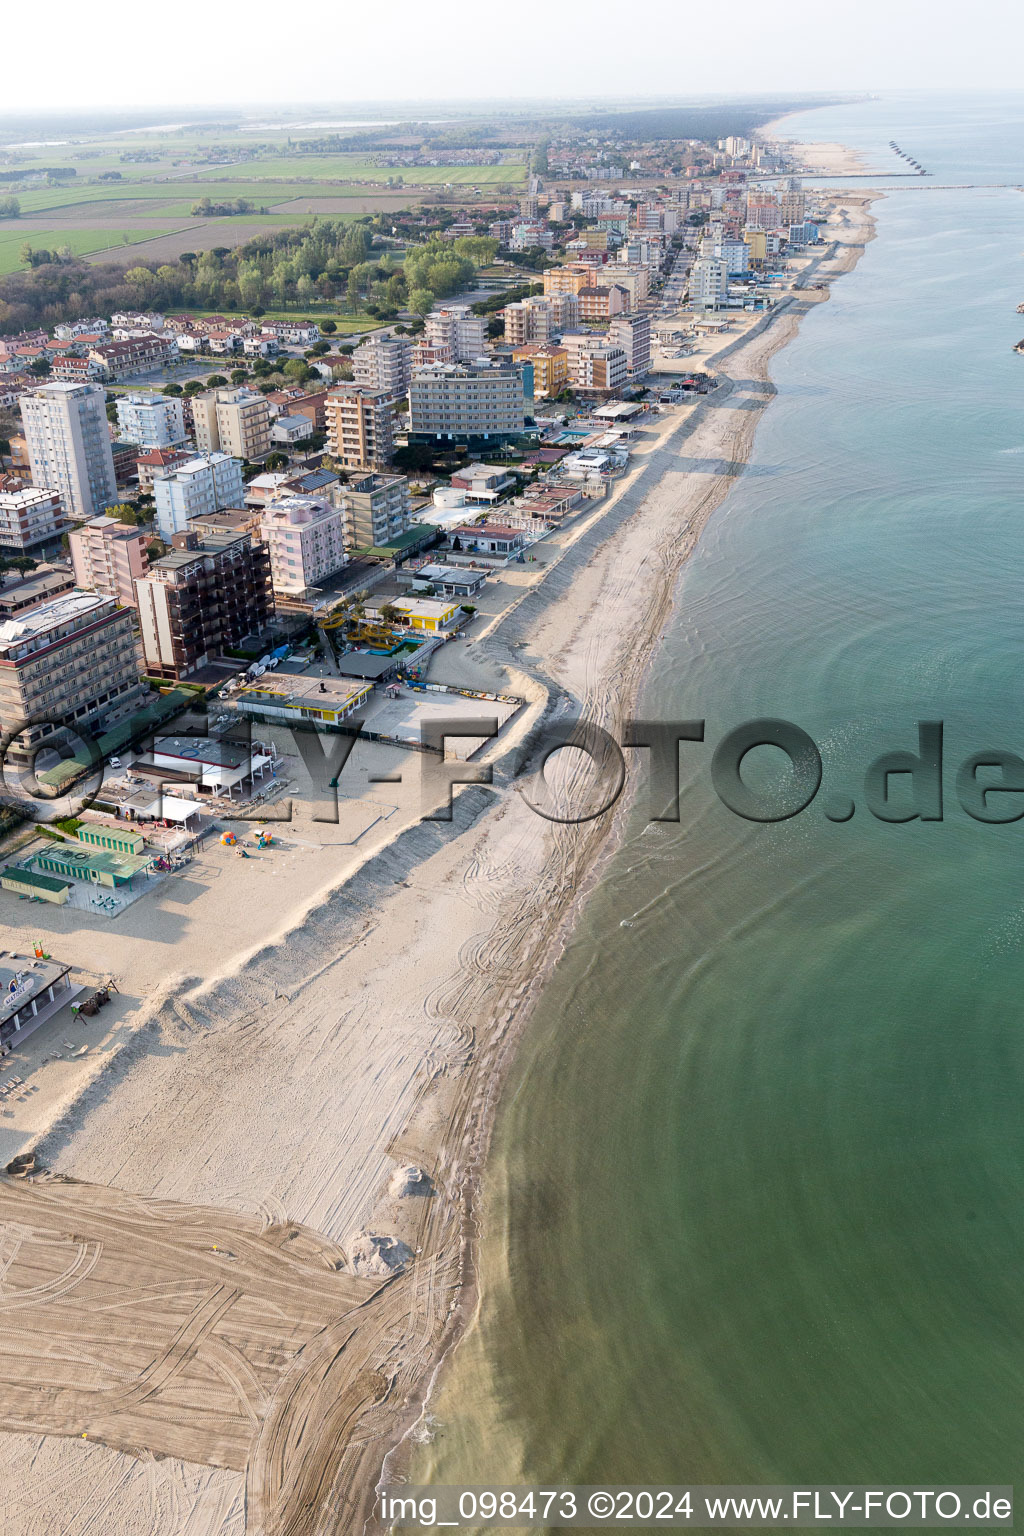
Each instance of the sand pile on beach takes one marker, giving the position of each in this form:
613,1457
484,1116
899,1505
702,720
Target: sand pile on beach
377,1254
409,1180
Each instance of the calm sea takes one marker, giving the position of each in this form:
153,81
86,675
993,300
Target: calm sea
756,1200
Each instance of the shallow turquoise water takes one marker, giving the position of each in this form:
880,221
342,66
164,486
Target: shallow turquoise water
756,1207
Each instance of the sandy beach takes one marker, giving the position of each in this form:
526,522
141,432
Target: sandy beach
818,158
247,1144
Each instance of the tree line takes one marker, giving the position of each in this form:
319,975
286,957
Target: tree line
323,260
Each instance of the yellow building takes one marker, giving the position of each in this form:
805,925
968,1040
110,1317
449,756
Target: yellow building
433,614
757,242
568,279
550,367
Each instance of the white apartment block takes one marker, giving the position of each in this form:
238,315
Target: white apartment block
384,365
633,334
541,318
69,445
306,540
151,421
201,486
709,283
457,328
29,518
595,364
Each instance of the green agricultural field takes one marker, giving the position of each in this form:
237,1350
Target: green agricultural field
83,242
172,195
355,167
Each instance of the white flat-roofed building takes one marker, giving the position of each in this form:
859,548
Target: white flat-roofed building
384,363
455,326
288,430
217,766
69,445
30,518
320,702
151,421
201,486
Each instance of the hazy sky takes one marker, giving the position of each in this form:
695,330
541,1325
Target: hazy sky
70,53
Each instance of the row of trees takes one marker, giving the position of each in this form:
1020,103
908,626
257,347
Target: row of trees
206,208
323,261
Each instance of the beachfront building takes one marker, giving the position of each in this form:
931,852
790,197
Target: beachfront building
359,427
109,557
232,421
477,406
596,366
151,421
69,662
489,538
433,615
208,592
384,365
304,700
69,445
306,540
202,485
379,510
791,205
709,283
763,211
633,334
31,518
216,767
32,991
100,867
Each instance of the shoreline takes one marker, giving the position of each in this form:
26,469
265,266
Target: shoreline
474,915
820,157
778,336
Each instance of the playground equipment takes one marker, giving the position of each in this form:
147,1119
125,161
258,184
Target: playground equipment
228,839
264,840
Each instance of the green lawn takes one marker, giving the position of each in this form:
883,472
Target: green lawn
347,324
83,242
